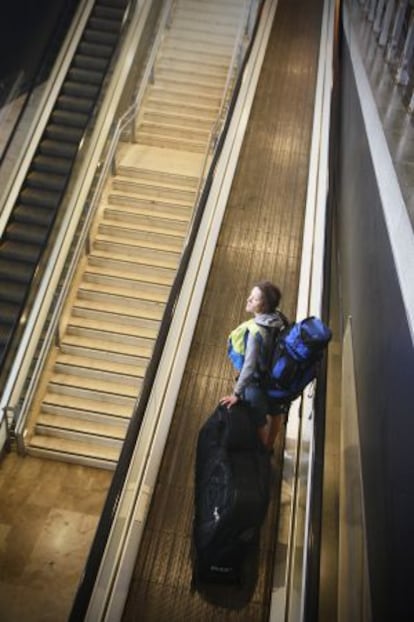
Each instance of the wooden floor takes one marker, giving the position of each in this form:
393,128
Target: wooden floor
48,516
261,238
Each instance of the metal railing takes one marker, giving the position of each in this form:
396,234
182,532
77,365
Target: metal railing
392,22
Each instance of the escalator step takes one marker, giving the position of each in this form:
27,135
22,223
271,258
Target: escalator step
18,271
104,25
80,89
108,12
75,104
73,119
35,215
102,38
93,49
12,292
112,3
44,198
82,62
61,150
60,166
9,312
5,330
46,181
66,134
21,232
28,254
88,75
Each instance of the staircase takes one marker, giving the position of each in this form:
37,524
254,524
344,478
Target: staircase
92,381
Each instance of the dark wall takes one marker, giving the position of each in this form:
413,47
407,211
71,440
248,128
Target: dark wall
29,29
384,364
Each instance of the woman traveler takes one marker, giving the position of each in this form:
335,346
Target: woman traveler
249,350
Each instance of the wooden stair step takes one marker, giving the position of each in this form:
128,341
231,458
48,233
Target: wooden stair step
208,23
175,95
146,288
56,423
70,405
178,120
189,80
144,188
206,33
209,14
139,240
129,206
185,40
110,299
152,226
160,177
99,368
166,263
200,67
155,103
71,383
91,454
162,279
171,143
119,352
143,328
180,132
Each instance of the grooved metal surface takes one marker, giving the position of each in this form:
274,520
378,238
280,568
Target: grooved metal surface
261,238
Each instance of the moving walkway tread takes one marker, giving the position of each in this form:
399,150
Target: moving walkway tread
261,237
29,228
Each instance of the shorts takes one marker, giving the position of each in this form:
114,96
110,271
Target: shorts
261,405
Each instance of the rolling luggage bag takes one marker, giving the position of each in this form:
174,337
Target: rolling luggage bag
231,495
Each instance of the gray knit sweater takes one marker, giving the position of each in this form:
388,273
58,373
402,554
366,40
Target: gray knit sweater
253,358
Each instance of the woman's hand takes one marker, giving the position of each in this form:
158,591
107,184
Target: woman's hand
229,400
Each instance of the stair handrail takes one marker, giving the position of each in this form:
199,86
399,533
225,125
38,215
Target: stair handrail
130,115
217,128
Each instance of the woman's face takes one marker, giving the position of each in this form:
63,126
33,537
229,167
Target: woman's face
254,301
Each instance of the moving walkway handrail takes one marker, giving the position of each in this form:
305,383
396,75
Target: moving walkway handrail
305,432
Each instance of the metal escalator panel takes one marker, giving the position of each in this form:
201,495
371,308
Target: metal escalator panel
29,228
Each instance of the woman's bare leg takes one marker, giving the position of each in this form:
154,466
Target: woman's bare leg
263,432
274,428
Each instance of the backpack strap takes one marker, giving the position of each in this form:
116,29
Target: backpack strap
236,345
274,332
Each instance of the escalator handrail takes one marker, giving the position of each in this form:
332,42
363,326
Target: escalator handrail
43,111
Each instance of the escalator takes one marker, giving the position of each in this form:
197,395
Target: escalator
28,230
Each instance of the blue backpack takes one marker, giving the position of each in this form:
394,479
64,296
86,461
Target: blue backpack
294,358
